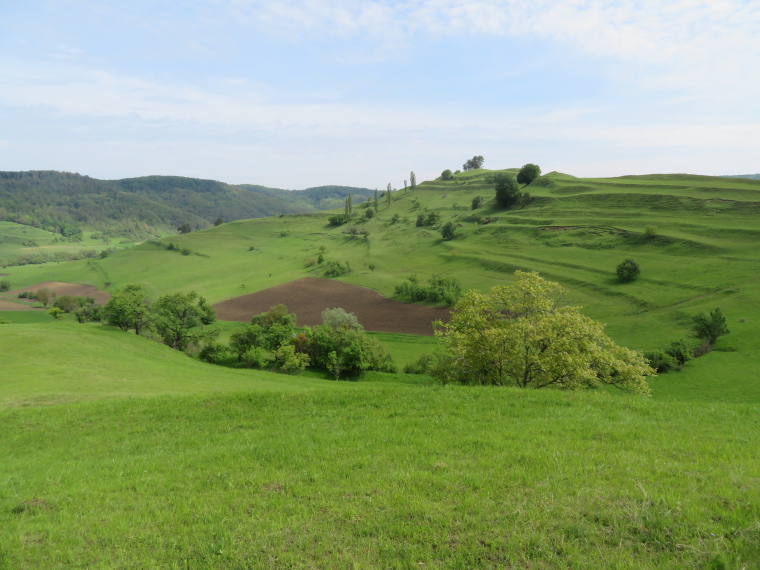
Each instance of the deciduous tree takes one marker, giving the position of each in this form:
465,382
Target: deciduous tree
507,190
710,327
473,163
128,308
528,173
522,335
182,319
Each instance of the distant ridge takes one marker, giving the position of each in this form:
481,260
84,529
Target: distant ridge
147,206
752,176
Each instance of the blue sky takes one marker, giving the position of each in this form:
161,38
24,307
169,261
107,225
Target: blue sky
298,93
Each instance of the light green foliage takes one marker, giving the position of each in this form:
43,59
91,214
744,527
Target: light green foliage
345,350
628,271
183,319
521,335
56,312
650,231
338,318
289,361
67,303
528,173
709,328
128,308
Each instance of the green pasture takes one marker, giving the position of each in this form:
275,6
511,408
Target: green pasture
703,253
377,476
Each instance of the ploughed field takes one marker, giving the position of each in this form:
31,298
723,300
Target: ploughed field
10,302
308,297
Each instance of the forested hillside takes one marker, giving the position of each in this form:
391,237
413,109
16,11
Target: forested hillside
138,208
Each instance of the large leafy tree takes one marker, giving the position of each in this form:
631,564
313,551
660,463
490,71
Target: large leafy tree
522,335
182,319
128,308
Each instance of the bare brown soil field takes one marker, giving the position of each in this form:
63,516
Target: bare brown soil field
308,297
59,288
11,306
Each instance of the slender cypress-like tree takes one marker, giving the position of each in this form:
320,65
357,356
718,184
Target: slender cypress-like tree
413,181
388,195
376,202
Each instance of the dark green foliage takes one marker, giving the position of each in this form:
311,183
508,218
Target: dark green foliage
447,175
507,190
709,328
184,228
448,231
477,202
420,222
660,361
446,290
473,163
628,271
184,319
528,173
213,353
336,220
681,351
5,285
218,221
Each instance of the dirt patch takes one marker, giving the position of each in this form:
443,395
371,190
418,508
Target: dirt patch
12,306
73,289
308,297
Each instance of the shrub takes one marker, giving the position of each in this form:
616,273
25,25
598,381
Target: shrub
5,285
681,351
477,202
448,231
660,361
628,271
650,231
336,220
213,353
447,175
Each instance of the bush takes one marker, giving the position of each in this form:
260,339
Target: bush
628,271
660,361
213,353
336,220
439,290
448,231
477,202
681,351
447,175
650,231
5,285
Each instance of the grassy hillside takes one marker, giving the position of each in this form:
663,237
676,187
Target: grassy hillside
118,452
380,476
702,255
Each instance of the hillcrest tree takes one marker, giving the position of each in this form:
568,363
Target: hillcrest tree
474,163
507,190
528,173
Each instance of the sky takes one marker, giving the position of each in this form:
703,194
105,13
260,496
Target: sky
301,93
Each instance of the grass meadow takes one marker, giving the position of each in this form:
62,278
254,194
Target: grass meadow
118,452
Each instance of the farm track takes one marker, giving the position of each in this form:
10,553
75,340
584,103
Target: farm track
309,296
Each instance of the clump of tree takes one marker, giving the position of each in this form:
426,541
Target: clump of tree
446,290
528,173
128,309
474,163
334,268
339,345
508,193
522,335
431,219
628,271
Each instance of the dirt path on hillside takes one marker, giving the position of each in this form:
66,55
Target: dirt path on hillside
308,297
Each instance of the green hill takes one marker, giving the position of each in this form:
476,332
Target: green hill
149,206
118,452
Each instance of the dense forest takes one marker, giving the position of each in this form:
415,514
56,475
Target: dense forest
142,207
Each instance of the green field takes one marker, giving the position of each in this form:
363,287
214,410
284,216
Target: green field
119,452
